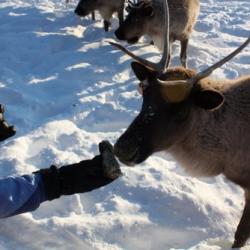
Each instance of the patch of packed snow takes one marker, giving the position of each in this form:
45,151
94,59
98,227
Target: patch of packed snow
66,89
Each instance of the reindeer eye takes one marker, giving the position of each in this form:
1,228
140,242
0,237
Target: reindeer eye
141,88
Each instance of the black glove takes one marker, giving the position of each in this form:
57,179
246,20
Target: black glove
6,131
83,176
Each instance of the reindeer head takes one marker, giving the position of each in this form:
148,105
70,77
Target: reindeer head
140,14
85,7
170,98
166,115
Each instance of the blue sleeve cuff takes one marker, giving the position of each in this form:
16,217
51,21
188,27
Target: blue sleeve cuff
20,194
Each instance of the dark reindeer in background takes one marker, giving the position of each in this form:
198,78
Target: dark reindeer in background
147,18
92,13
204,123
106,8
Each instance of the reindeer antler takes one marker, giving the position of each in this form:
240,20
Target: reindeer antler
183,87
215,66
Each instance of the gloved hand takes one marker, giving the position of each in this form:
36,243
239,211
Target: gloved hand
83,176
6,131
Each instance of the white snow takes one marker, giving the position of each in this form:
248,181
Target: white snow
66,89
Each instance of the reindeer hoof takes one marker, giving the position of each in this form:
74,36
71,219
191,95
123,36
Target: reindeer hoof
106,25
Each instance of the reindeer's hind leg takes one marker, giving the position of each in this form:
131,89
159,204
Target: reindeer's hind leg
170,52
93,15
120,14
106,25
243,231
106,14
183,55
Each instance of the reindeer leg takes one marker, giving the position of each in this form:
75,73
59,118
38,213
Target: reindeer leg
120,14
93,15
170,52
106,15
106,25
243,229
183,55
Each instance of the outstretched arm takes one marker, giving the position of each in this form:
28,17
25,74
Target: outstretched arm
19,194
22,194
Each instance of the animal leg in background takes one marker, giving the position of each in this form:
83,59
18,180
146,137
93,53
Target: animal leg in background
106,25
183,55
106,14
93,15
243,229
170,52
121,14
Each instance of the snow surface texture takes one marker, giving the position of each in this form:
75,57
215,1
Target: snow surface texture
66,89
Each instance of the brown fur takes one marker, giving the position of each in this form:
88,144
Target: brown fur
205,142
213,134
218,143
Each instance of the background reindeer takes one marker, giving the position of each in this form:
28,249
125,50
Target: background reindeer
147,18
203,123
106,8
92,13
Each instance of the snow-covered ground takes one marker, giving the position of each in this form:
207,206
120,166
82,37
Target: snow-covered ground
66,89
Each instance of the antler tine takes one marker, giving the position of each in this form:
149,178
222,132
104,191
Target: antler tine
161,66
148,64
209,70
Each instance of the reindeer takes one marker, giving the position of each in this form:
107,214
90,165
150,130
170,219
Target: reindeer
146,18
106,8
204,123
92,13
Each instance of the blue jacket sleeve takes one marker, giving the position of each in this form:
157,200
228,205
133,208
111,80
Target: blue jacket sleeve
20,194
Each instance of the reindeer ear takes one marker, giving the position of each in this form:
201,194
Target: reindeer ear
209,99
140,71
148,11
